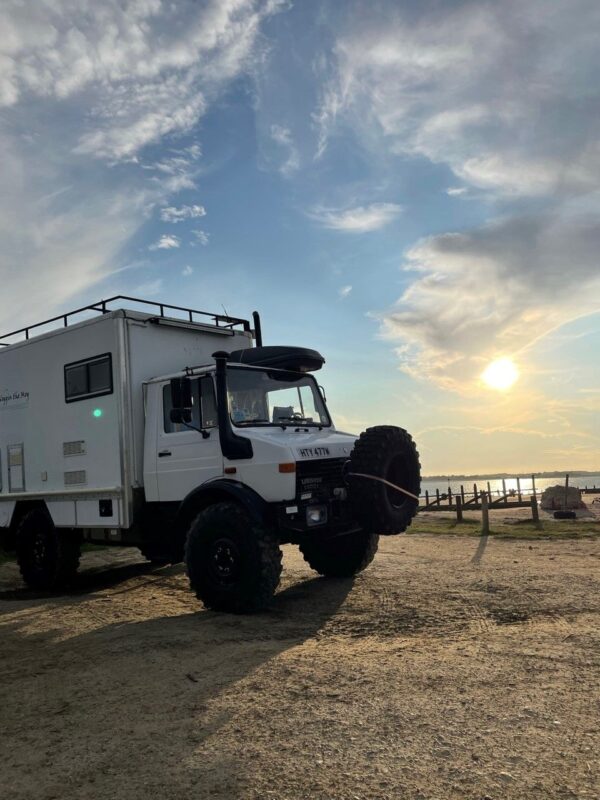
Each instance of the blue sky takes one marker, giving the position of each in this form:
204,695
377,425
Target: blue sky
411,188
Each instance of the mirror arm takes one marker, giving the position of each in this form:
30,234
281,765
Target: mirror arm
203,431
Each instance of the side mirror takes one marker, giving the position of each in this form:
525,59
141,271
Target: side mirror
181,393
181,416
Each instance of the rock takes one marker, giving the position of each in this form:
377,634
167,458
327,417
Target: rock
553,498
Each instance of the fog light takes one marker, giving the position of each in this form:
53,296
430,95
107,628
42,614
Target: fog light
316,515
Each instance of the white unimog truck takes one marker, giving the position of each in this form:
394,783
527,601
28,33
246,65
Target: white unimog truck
177,432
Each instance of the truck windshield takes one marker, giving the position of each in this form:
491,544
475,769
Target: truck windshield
274,397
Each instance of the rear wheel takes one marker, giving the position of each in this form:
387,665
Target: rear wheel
387,452
48,557
341,556
233,563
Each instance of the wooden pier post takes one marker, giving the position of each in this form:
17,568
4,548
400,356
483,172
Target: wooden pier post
462,494
459,514
485,515
519,489
475,494
504,492
489,492
426,497
437,496
535,512
567,492
449,496
533,484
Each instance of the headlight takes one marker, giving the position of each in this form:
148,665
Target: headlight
316,515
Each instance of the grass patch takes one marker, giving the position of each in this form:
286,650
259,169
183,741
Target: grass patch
565,529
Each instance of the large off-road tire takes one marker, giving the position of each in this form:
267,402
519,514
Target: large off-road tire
341,556
48,557
388,452
233,562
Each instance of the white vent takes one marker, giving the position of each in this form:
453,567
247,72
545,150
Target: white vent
75,477
74,448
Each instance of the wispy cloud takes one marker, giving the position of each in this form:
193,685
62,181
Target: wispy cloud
282,136
442,83
166,242
202,237
175,215
187,271
360,219
344,291
493,291
77,98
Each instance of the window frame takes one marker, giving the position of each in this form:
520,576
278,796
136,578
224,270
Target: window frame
86,362
196,392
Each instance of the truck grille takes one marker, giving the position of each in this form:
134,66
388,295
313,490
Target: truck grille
322,475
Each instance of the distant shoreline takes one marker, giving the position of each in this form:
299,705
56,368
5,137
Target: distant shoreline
576,473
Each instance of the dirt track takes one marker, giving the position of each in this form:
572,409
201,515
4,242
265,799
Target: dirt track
449,669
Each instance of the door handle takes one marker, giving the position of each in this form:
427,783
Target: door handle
164,453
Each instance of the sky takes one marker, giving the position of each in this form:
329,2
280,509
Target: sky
412,188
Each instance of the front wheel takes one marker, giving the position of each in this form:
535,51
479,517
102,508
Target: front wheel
48,557
233,563
341,556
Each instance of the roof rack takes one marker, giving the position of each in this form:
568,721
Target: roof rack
220,320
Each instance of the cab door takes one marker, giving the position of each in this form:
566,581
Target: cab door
184,459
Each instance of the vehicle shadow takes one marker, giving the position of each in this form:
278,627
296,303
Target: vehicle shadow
170,698
92,579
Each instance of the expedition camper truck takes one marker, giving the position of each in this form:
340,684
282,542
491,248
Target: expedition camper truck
178,432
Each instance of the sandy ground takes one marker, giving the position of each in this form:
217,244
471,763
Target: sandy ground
452,668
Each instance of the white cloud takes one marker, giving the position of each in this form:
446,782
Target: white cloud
187,271
493,292
361,219
344,291
148,69
283,138
174,215
502,94
166,242
84,88
201,236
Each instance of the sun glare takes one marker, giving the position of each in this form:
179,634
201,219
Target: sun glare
500,374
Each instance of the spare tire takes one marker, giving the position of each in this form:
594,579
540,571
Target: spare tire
387,452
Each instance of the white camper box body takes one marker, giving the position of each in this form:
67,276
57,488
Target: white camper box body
64,453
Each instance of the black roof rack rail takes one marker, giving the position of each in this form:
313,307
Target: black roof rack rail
219,320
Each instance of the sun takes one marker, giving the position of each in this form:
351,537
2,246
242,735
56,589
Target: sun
500,374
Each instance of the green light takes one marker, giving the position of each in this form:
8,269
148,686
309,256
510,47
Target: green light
97,412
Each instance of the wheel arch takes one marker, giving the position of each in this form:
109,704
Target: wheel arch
218,491
8,534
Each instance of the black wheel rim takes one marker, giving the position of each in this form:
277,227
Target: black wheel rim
39,550
396,474
224,561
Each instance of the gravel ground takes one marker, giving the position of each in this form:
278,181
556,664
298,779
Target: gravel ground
452,668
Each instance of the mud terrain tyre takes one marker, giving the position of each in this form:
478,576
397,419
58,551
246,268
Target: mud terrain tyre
233,562
48,557
388,452
341,556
